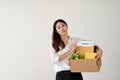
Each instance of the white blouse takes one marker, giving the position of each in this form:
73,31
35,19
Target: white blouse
64,64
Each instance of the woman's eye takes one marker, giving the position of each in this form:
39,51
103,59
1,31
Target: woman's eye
58,27
63,25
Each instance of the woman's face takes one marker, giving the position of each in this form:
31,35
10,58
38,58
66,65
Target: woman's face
61,28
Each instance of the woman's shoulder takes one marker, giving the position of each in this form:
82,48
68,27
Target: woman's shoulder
75,38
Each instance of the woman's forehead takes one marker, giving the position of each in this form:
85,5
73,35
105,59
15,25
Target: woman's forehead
60,23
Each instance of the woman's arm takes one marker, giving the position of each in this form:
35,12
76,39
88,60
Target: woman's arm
99,52
56,57
68,53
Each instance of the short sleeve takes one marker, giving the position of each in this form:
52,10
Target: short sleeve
54,55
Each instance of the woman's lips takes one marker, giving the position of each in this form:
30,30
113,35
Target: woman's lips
63,31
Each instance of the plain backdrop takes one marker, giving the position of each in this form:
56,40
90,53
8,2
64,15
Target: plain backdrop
26,28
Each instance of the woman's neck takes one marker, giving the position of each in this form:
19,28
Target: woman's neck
65,39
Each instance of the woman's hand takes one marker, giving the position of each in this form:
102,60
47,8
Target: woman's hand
73,48
99,53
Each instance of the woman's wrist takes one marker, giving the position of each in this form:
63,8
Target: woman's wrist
71,51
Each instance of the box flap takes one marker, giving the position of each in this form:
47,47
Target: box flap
82,50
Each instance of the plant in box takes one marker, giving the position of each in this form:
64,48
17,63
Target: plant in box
76,55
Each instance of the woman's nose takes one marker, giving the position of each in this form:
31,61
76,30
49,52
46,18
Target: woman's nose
62,28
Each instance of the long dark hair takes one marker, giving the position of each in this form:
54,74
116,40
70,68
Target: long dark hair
57,42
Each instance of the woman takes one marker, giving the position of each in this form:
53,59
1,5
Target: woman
62,48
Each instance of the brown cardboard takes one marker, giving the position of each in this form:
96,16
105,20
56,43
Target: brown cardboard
85,65
84,49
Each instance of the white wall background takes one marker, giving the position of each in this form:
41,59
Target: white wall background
25,34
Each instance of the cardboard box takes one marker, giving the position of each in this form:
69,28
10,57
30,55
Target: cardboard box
85,65
85,47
